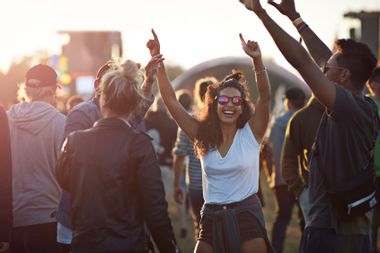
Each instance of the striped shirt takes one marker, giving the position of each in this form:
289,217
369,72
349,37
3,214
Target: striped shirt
185,147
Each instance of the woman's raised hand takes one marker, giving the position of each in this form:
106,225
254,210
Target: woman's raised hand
153,45
251,48
151,68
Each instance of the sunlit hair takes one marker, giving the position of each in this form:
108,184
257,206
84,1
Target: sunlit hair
201,89
28,94
209,135
120,88
357,58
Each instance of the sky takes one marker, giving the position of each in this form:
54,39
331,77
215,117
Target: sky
190,31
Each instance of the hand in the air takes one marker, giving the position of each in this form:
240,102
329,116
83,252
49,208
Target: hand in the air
151,68
251,48
153,45
286,7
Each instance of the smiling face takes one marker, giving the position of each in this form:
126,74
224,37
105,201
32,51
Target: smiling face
229,113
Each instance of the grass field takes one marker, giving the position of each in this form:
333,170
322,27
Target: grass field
293,233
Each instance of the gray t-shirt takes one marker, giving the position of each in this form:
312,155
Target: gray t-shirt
342,148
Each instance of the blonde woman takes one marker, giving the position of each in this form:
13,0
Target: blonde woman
112,174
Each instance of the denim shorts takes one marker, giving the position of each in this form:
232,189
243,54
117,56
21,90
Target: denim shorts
249,228
248,224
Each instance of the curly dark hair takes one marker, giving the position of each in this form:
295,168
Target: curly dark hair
209,134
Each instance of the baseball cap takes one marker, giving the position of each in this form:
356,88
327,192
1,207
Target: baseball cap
40,75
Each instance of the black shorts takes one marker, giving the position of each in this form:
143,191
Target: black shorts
249,228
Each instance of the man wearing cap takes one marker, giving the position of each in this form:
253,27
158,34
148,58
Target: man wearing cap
36,132
83,116
294,100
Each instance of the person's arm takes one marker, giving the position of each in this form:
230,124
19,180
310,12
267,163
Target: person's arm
266,158
187,123
150,70
152,194
137,116
179,155
260,118
290,158
150,77
297,56
178,162
318,50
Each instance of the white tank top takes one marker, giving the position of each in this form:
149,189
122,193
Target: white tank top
236,176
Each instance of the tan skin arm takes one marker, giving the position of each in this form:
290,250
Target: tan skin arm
297,56
184,120
178,162
317,49
150,73
260,118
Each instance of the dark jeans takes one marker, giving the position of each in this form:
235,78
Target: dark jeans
285,202
325,240
196,203
40,238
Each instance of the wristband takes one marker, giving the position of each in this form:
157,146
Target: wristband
297,21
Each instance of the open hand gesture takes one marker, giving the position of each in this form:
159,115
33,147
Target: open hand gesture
250,47
253,5
151,67
153,45
286,7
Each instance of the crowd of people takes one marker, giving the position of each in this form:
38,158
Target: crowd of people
99,178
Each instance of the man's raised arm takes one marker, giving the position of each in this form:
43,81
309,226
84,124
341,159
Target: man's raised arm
297,56
317,49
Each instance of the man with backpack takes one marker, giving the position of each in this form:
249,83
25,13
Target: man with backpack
341,165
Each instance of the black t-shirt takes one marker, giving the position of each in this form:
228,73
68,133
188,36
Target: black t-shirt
163,130
344,142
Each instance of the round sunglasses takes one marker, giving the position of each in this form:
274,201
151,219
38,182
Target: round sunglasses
236,100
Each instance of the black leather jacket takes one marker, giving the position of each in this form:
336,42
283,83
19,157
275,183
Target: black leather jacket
115,183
